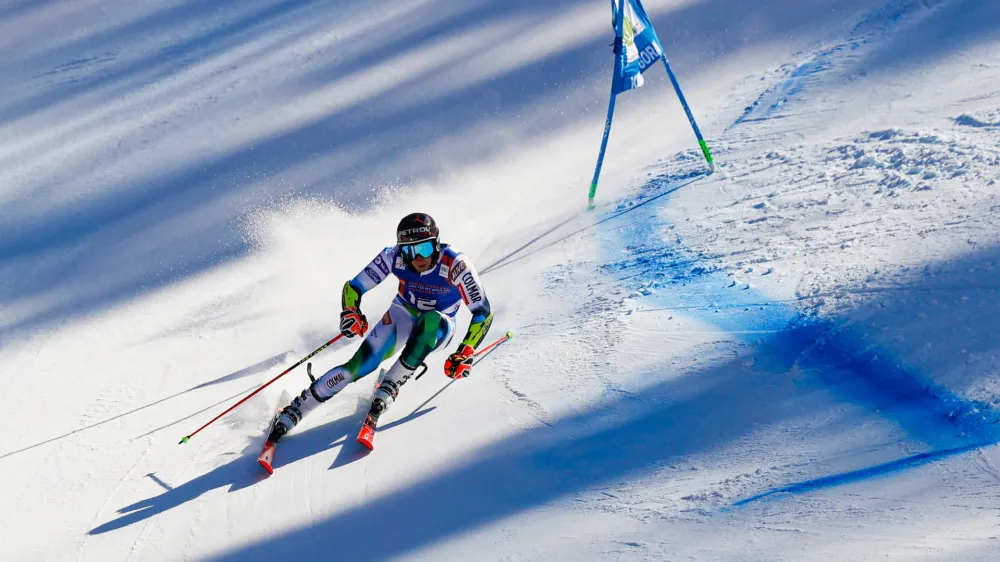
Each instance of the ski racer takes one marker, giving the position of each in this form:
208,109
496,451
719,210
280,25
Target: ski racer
434,280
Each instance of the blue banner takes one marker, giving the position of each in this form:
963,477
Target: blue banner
636,45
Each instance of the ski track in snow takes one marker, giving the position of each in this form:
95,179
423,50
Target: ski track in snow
832,293
99,516
890,164
793,79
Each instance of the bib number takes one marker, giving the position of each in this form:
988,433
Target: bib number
422,304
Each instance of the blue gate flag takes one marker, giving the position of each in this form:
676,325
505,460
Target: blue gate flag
636,49
636,45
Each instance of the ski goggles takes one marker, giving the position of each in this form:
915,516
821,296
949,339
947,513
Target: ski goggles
423,249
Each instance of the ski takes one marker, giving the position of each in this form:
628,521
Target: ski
367,435
266,457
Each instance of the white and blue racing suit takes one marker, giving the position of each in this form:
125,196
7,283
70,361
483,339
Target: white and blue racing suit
421,317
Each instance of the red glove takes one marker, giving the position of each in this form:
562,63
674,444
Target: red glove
459,364
353,323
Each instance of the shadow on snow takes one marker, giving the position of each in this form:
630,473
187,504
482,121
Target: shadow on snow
245,372
112,246
704,410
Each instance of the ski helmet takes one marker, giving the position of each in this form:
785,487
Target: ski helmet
416,234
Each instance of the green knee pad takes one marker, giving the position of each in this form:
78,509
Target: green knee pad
431,330
366,359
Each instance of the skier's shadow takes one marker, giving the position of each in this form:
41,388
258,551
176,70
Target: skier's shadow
351,450
302,445
243,471
237,473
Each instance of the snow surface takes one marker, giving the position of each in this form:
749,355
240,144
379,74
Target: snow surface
795,358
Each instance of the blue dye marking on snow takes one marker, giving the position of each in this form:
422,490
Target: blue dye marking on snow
671,276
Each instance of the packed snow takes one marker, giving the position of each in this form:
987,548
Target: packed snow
793,358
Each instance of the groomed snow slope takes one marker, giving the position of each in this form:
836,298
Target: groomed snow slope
794,358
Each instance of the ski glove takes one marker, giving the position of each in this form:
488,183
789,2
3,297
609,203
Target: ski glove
459,364
353,322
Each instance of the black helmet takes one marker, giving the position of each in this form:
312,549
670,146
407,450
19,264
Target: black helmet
417,234
416,227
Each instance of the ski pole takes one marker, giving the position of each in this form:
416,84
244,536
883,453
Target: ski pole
482,353
478,357
286,371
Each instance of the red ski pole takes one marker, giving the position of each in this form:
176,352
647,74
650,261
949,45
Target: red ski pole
481,353
484,351
286,371
479,356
